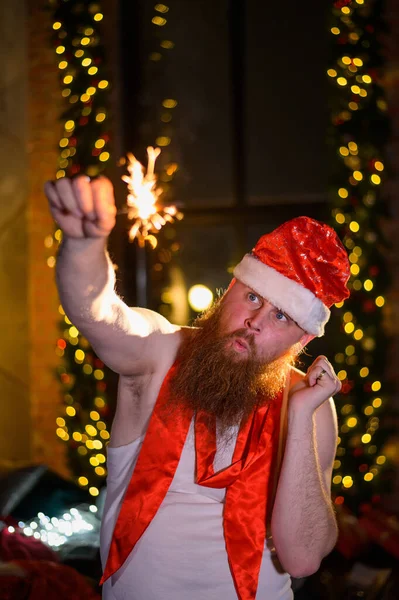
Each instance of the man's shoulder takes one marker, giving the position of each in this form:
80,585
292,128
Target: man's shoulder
296,375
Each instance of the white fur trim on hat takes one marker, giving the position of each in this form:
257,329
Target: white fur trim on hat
298,302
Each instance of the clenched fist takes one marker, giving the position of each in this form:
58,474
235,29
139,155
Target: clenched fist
82,208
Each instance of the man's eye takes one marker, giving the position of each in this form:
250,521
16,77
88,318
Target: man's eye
253,297
281,316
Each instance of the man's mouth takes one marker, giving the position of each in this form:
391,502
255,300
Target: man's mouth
240,345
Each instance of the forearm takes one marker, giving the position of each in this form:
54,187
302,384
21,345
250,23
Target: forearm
303,522
85,279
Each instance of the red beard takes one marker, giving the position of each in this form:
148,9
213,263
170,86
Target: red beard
211,378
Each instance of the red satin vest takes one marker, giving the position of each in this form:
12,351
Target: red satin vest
249,481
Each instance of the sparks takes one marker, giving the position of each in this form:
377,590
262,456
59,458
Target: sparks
142,201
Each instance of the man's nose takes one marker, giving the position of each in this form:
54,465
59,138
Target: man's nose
255,321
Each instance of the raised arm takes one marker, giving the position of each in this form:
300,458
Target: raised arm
122,337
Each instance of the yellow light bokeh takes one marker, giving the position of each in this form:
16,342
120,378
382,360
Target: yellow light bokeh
162,8
159,21
200,297
169,103
347,481
98,374
376,386
163,141
349,327
83,481
357,285
366,438
376,179
91,430
368,285
340,218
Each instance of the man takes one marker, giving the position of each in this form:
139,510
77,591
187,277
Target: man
221,452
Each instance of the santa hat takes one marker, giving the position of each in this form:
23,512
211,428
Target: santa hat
302,268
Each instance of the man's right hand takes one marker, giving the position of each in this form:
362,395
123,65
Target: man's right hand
82,208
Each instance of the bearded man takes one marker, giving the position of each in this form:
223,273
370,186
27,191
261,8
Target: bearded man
221,451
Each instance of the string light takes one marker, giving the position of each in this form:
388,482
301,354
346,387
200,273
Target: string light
57,531
359,175
82,77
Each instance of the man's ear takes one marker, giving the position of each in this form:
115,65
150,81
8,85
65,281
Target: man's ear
306,338
232,282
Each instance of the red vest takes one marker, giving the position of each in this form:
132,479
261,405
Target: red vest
249,481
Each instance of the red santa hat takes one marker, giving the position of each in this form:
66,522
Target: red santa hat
302,268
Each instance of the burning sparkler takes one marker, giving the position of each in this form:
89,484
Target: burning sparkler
143,196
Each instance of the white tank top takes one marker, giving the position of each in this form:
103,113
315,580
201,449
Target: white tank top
182,553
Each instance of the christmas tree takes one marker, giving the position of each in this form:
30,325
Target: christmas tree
358,136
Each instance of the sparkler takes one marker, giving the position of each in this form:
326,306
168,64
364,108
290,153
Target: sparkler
143,207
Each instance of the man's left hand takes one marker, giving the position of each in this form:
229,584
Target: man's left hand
320,383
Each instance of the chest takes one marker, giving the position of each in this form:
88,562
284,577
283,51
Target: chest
136,400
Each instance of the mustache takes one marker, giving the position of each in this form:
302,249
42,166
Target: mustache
245,335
